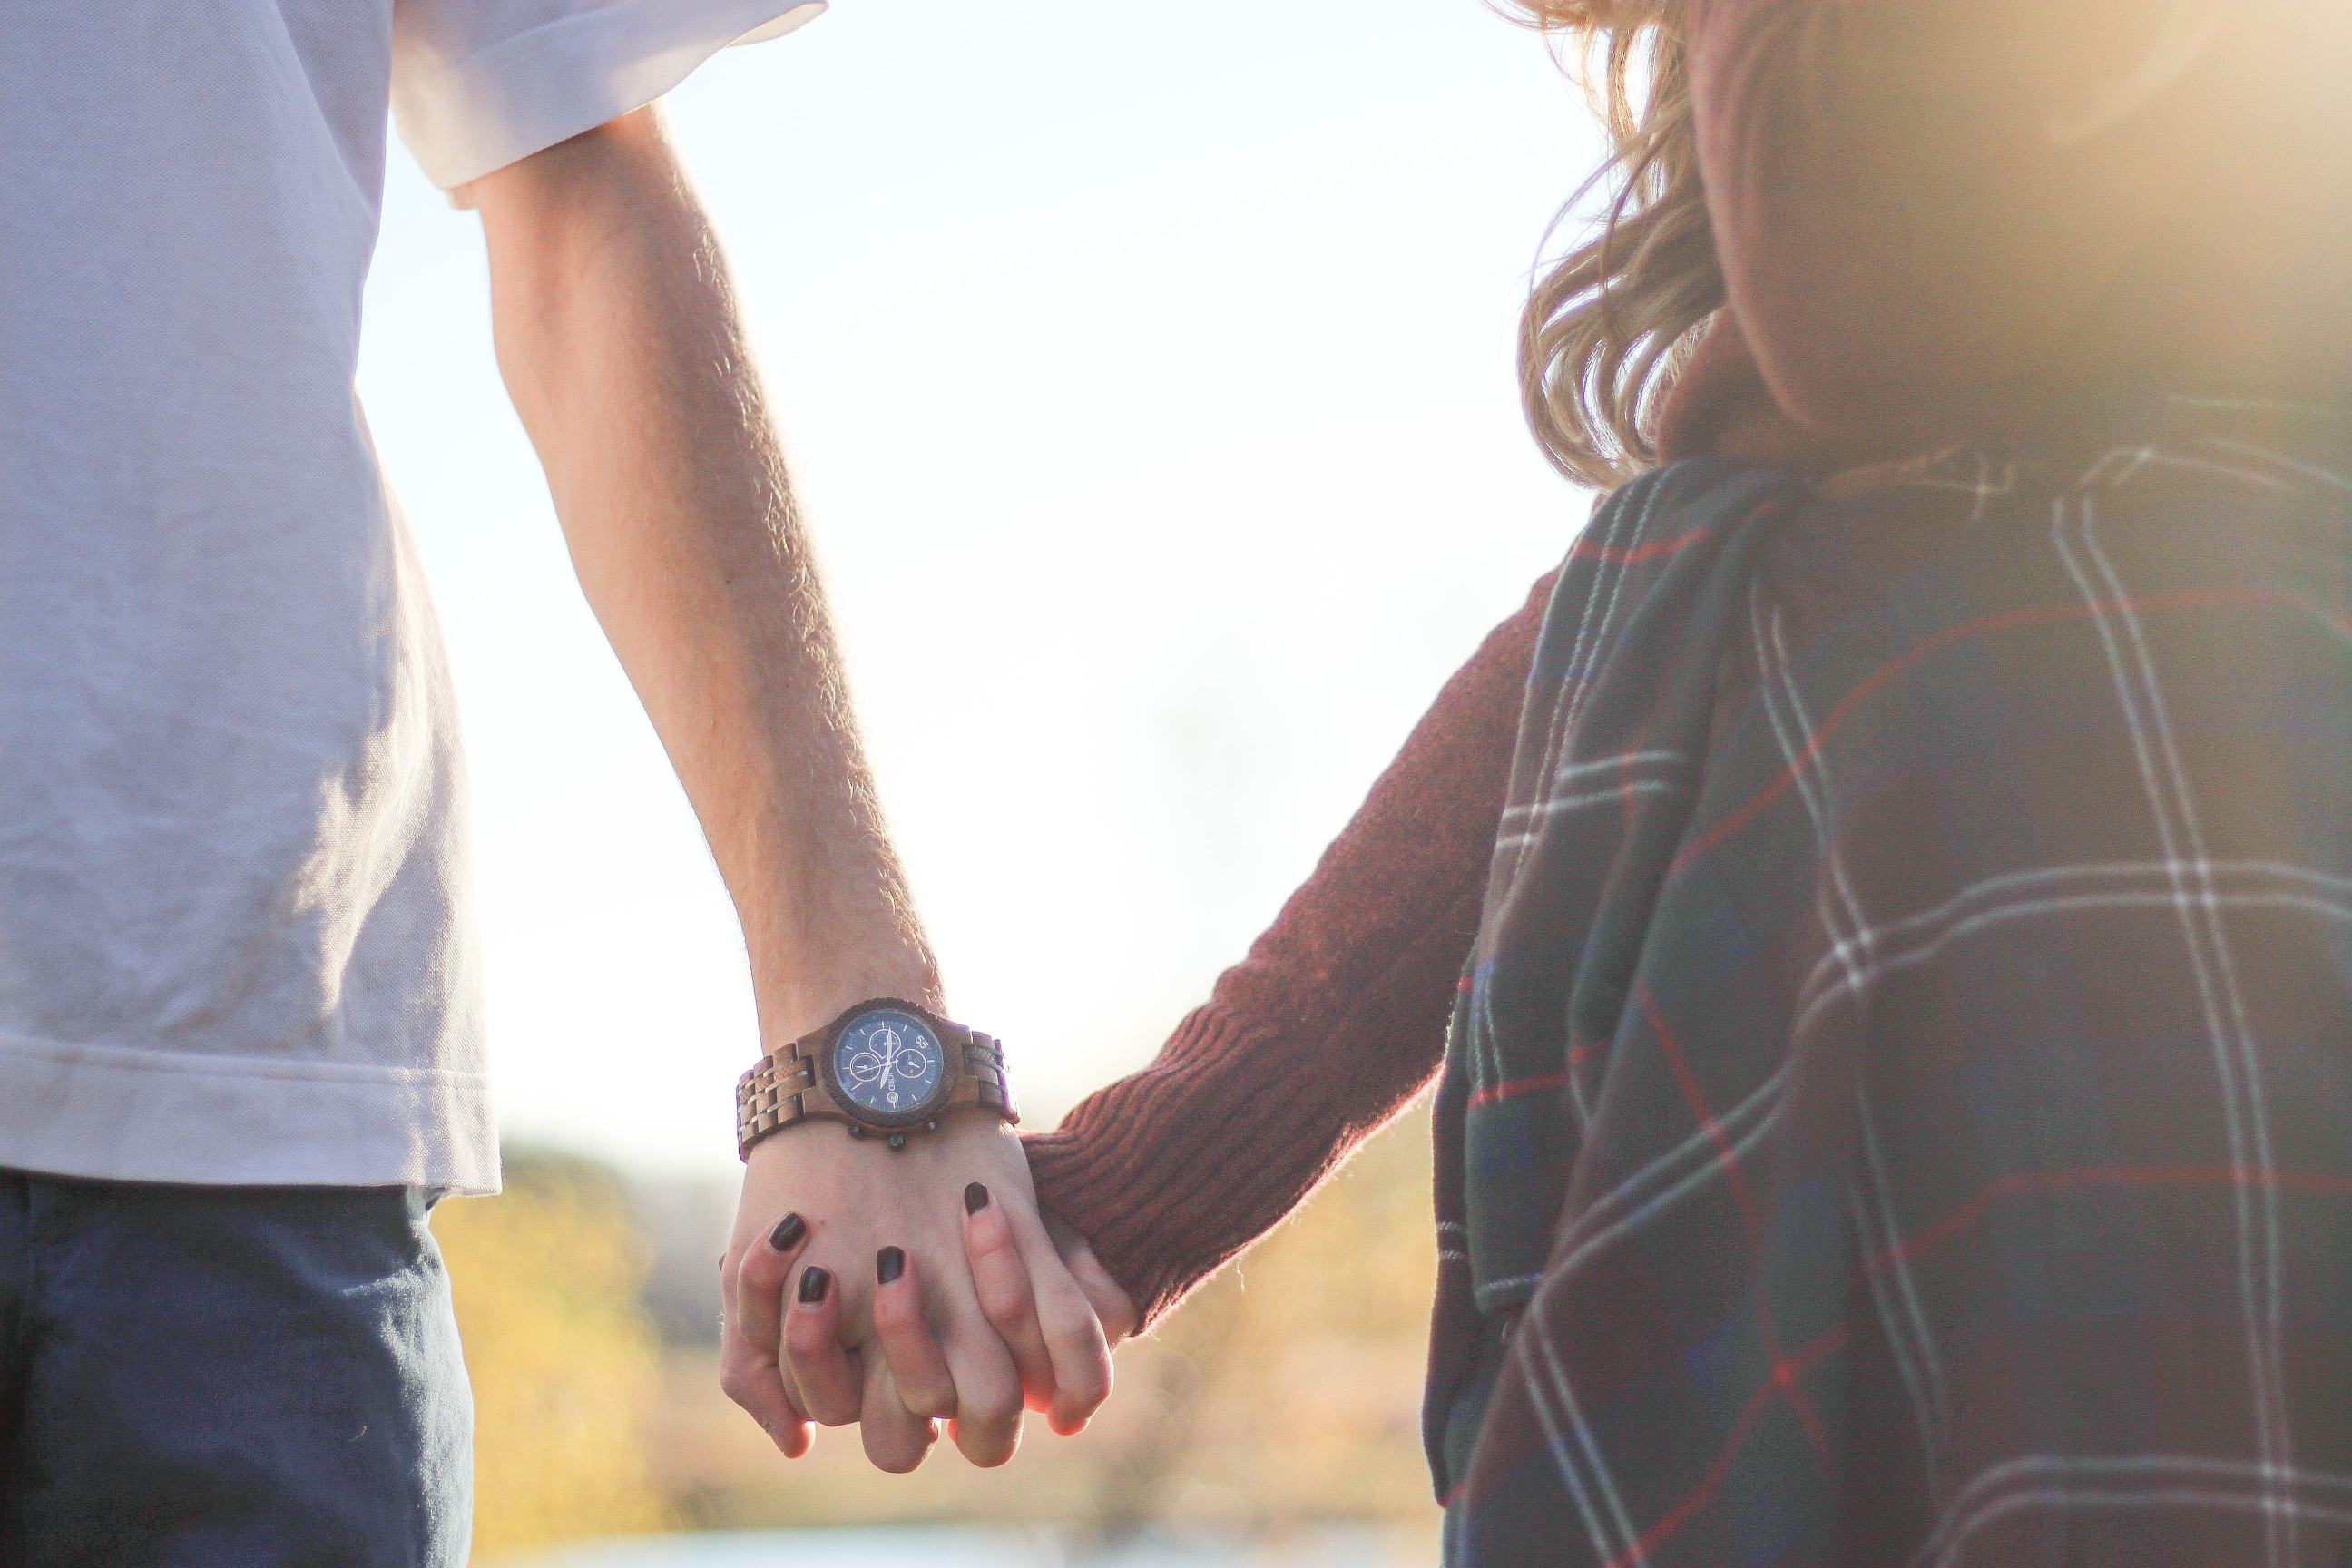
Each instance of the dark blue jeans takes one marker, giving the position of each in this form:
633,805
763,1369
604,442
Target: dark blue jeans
202,1377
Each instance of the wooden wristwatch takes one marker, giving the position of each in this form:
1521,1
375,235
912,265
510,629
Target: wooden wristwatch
886,1068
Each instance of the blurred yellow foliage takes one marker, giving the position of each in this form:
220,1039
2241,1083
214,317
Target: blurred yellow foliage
1286,1393
1288,1390
563,1360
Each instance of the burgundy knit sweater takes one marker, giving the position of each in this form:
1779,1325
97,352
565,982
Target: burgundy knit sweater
1332,1023
1928,232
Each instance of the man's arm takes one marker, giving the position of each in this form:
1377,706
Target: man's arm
620,343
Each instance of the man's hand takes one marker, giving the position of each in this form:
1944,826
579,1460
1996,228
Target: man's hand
980,1314
621,344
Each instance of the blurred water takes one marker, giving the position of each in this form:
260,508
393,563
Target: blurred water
943,1548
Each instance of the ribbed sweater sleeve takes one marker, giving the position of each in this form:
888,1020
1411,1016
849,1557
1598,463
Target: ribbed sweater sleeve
1331,1024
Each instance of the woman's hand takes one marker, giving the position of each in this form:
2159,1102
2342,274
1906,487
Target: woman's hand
1114,1308
998,1257
814,1332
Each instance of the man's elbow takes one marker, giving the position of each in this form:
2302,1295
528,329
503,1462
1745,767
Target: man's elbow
608,173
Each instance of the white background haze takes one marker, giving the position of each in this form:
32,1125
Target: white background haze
1147,377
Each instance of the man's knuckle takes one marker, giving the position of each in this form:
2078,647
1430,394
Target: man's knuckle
760,1269
1086,1378
890,1452
1063,1309
992,1241
1072,1341
995,1408
1005,1301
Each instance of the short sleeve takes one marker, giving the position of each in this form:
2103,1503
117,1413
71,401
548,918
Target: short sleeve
478,84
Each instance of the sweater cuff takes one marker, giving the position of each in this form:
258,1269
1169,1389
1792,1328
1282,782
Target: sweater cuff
1106,1171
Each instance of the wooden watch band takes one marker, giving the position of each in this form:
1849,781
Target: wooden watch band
787,1088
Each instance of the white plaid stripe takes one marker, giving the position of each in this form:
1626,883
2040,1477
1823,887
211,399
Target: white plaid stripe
1615,794
2173,809
1893,1329
1627,528
1573,772
1554,1381
1980,907
2328,476
1686,1168
2129,1481
1848,931
1937,1417
2145,457
1809,768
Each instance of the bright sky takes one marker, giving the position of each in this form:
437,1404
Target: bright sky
1147,376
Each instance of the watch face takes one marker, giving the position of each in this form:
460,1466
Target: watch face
889,1063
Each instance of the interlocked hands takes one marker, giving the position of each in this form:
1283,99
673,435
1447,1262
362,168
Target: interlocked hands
902,1287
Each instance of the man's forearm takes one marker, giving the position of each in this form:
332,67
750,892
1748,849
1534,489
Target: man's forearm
620,343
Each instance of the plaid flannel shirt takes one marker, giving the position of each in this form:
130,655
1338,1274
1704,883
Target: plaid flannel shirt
1899,1110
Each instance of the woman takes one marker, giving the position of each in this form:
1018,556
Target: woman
1898,1104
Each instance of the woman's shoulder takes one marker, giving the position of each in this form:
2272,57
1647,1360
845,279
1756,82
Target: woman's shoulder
1987,645
2175,504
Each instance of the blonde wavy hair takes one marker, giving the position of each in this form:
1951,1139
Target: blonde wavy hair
1609,323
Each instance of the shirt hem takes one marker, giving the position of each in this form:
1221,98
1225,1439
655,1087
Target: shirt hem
117,1113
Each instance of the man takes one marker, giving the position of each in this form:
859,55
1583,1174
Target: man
240,1038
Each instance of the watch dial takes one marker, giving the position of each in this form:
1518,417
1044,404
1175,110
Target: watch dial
888,1061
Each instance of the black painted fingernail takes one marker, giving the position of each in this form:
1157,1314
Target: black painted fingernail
813,1281
975,1198
788,1232
889,1264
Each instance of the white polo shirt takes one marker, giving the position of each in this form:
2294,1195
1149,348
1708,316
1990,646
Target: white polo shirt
235,936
